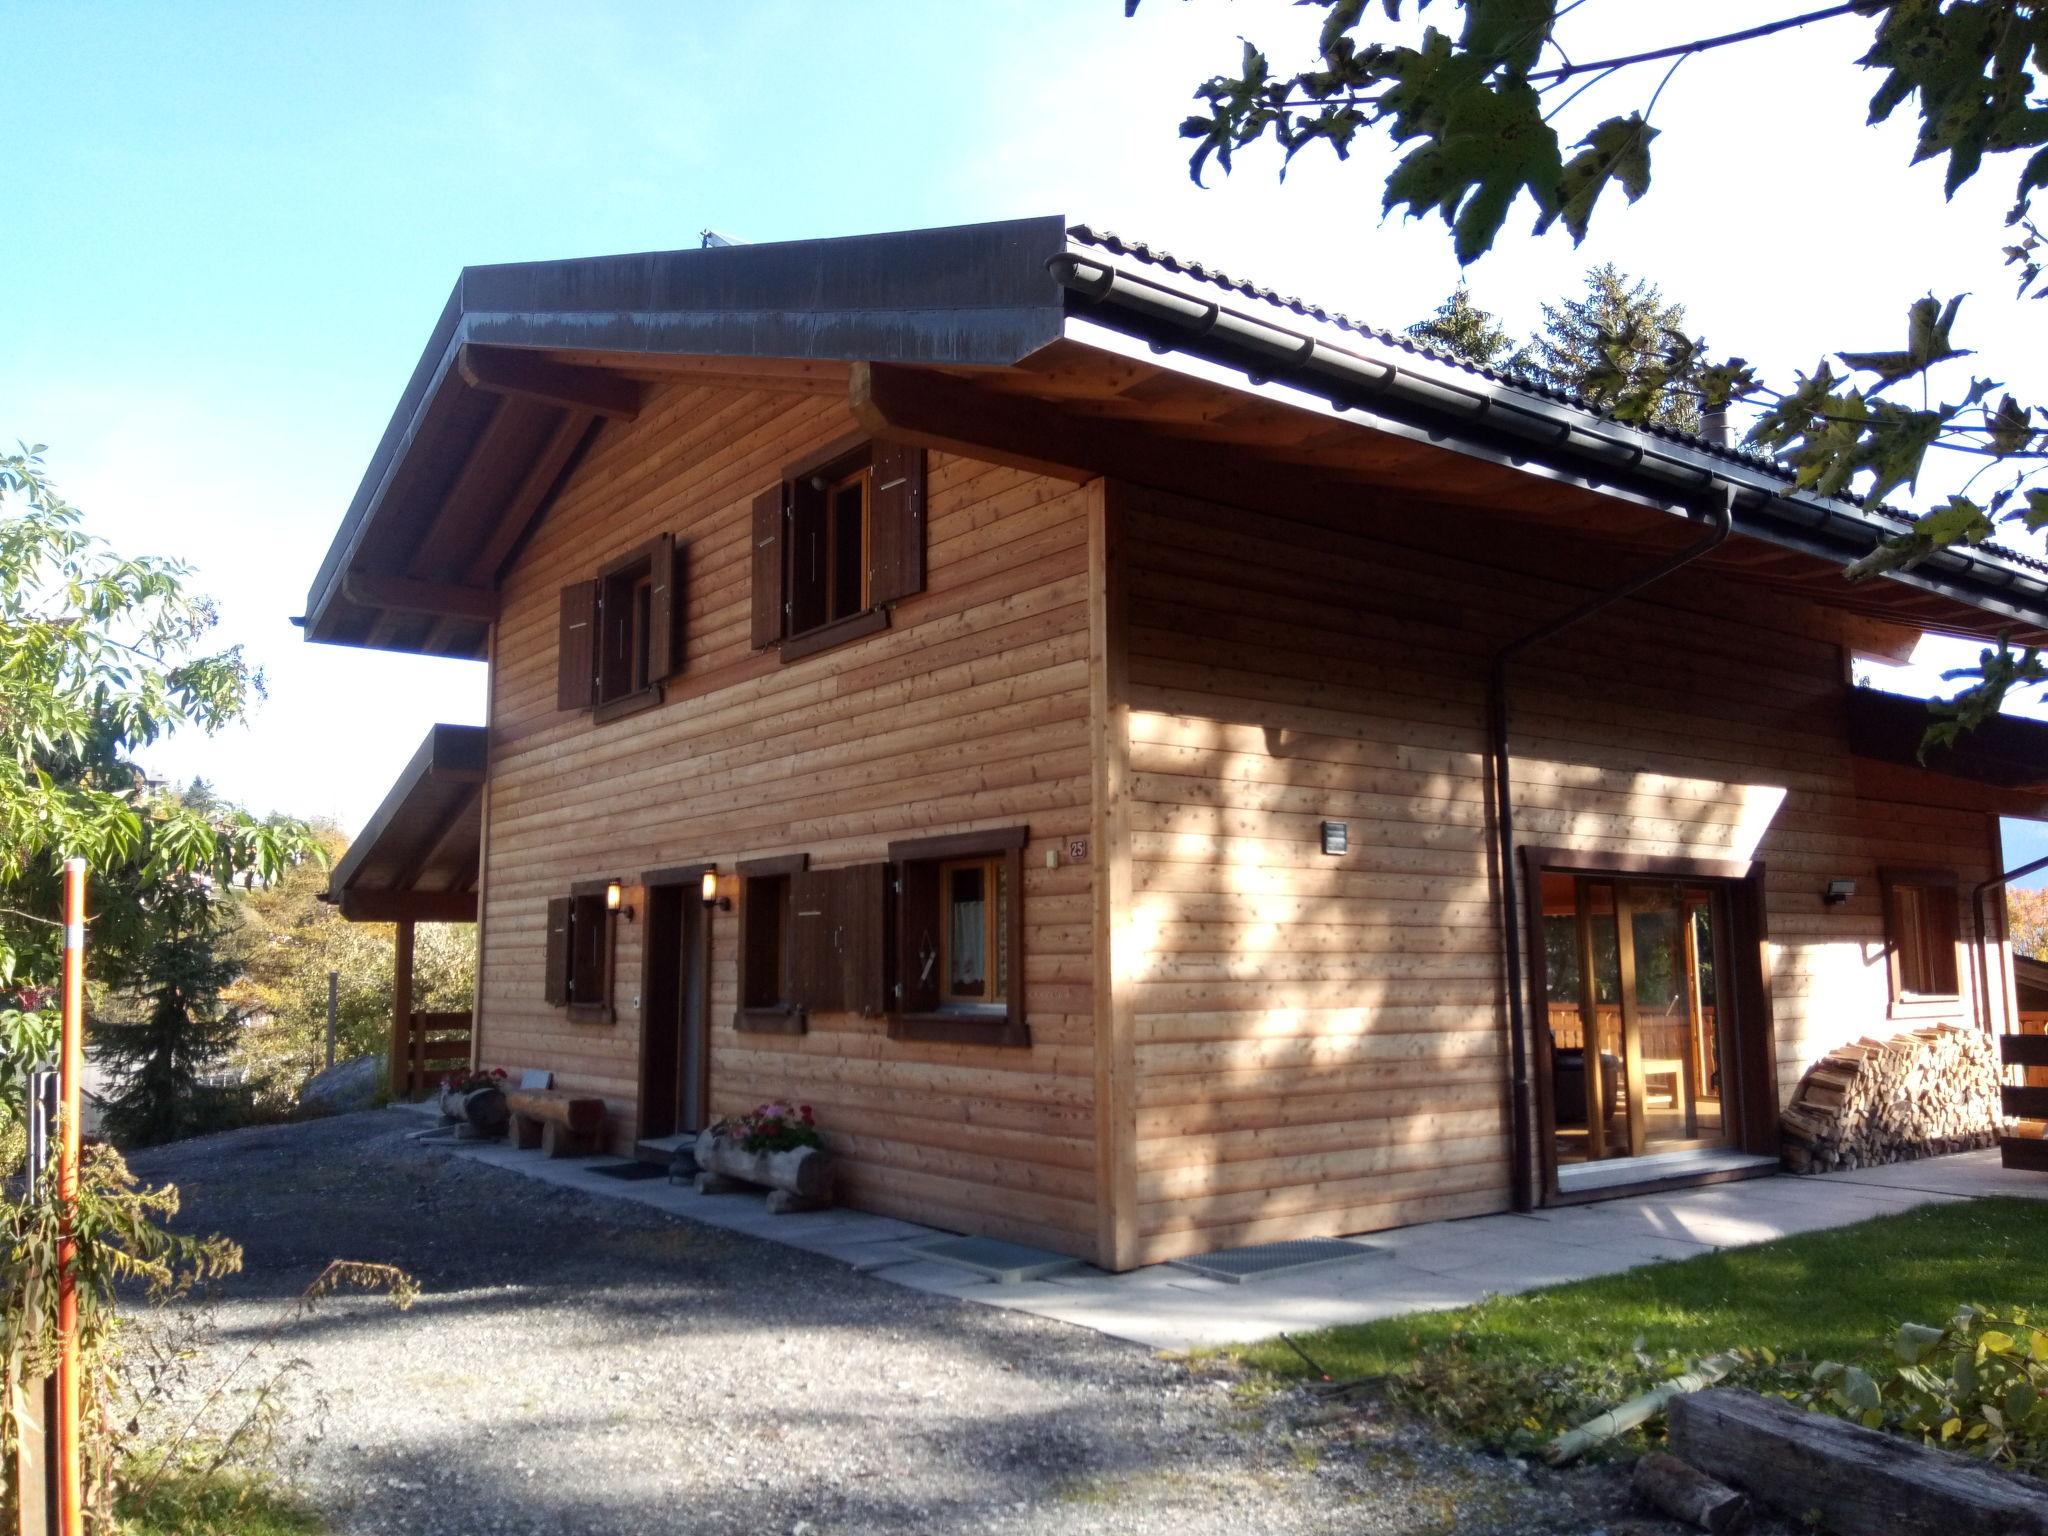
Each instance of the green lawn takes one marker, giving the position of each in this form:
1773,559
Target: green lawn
223,1504
1537,1359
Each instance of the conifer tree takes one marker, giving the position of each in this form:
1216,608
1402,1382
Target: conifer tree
1612,342
1461,328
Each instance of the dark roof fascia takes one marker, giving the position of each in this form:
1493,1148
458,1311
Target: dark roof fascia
1474,414
447,752
970,295
2005,751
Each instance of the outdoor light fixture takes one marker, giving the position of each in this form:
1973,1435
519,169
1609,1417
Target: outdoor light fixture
613,896
711,896
1838,891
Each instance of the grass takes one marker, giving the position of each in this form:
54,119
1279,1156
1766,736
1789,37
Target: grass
1524,1365
188,1504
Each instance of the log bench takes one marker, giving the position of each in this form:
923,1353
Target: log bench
560,1123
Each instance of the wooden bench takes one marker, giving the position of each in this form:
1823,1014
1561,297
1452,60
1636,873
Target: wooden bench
560,1123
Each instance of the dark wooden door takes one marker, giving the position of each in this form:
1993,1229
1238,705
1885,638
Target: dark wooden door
675,1087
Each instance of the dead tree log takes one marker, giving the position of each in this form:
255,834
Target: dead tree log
1848,1479
1688,1494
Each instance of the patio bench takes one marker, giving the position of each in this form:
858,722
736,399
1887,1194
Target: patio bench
560,1123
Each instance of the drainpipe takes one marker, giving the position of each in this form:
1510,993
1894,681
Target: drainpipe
1717,510
1978,892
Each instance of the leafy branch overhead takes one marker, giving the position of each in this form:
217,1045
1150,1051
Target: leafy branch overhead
1514,102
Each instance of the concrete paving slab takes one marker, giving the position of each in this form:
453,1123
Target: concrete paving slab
1413,1269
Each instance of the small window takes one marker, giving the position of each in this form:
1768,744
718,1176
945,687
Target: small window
620,636
767,981
959,938
579,953
1921,933
838,541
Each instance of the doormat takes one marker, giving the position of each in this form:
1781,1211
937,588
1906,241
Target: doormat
634,1170
1004,1263
1262,1261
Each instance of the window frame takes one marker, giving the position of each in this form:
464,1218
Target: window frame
916,859
1937,895
633,575
587,898
784,1016
995,958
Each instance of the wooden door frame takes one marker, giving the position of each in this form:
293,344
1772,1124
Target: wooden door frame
685,880
1752,1111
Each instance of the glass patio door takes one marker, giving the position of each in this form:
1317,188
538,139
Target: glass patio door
1635,1016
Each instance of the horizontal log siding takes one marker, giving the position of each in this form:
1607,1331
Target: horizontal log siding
1320,1040
971,710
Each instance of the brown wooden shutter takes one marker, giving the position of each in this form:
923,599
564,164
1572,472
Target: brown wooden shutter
557,973
576,675
815,981
664,608
917,936
863,937
896,523
768,566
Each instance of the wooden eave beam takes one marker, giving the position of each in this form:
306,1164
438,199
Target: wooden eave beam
914,407
530,499
408,906
403,594
446,828
513,371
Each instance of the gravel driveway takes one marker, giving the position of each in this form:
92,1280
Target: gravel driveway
593,1366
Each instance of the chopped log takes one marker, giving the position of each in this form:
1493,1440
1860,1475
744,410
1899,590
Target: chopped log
803,1172
1848,1479
1686,1493
1919,1094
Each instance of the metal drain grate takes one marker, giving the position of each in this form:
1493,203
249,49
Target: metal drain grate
1262,1261
1004,1263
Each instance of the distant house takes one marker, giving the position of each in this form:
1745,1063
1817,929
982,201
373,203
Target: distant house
2030,985
1159,766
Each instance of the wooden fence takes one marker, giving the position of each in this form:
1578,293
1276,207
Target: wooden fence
430,1046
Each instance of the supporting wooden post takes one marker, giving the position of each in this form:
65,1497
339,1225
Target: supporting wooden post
402,1084
71,1067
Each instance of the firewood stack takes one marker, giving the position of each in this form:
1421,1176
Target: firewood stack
1918,1094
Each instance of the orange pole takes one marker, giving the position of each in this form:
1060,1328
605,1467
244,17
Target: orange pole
71,1067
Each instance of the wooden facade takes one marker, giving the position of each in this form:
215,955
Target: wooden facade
1156,677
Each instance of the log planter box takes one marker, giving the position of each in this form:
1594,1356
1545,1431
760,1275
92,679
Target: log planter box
481,1112
796,1180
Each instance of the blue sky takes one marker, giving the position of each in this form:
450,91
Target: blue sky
232,227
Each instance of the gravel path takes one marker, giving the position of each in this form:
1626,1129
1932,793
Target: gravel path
593,1366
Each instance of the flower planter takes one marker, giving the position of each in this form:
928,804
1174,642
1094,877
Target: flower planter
481,1112
799,1179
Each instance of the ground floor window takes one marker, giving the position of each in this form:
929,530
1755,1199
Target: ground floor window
1921,935
959,938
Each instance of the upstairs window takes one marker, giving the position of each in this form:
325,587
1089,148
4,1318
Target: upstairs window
1922,935
621,633
579,953
838,540
959,938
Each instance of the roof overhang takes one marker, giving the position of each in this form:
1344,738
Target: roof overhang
1035,343
416,859
2005,752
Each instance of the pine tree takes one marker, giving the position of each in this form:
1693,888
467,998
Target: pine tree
1600,345
1466,331
177,1030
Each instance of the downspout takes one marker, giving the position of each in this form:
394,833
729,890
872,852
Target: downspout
1978,892
1717,512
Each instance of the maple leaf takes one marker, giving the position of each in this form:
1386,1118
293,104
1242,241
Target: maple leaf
1927,342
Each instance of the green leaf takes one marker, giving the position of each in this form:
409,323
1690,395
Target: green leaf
1914,1340
1617,150
1927,342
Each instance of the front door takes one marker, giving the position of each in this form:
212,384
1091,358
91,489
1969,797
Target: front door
1640,1021
675,1061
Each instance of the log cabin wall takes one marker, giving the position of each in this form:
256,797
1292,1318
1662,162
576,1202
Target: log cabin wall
971,710
1320,1040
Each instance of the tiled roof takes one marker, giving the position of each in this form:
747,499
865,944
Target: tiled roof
1166,261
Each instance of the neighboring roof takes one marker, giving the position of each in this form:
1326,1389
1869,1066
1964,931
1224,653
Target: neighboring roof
1089,346
417,856
2030,979
2006,751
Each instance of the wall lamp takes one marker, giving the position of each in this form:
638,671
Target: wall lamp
615,900
711,896
1838,891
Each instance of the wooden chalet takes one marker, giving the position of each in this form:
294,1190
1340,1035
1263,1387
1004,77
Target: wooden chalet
1158,766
